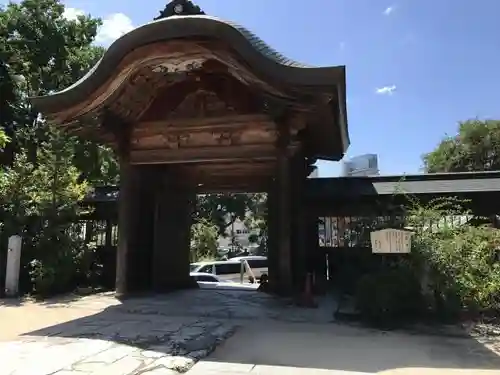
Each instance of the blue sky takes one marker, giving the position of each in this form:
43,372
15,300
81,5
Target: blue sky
433,62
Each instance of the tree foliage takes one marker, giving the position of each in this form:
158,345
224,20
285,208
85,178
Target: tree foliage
475,147
204,237
3,139
462,259
44,174
41,203
43,52
224,209
453,268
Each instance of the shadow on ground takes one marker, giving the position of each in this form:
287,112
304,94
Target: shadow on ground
172,331
12,302
56,301
249,329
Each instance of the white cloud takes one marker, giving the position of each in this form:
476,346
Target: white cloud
388,10
72,13
386,90
113,27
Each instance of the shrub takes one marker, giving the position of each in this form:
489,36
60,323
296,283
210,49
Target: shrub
40,202
58,263
463,270
453,268
389,296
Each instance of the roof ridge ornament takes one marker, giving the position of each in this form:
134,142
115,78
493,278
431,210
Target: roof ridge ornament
180,8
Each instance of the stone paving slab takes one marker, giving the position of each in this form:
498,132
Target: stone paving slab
79,356
153,335
224,368
158,335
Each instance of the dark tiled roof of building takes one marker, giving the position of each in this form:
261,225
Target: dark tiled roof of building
265,48
439,183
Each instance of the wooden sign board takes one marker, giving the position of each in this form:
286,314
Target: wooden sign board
391,241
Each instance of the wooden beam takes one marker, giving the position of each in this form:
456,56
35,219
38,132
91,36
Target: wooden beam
253,121
234,185
234,169
204,154
231,189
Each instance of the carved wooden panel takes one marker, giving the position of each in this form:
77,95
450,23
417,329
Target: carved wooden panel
202,154
173,139
201,104
252,136
137,94
154,141
202,95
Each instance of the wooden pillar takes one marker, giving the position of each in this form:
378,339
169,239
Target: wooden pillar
108,238
3,261
124,213
298,217
283,198
135,215
172,232
272,235
135,231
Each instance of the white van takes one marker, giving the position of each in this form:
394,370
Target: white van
257,263
230,270
226,270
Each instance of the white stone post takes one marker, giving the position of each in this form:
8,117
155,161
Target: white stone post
13,266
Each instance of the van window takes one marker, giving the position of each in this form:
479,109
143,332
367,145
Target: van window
193,267
257,263
227,268
206,269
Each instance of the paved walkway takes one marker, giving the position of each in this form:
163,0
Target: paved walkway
339,349
255,334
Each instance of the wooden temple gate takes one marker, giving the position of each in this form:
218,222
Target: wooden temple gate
192,104
338,215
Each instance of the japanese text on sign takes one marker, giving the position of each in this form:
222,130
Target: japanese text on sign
391,241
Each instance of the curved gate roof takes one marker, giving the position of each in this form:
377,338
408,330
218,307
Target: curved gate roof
259,55
323,86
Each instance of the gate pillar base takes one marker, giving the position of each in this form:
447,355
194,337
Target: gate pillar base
135,214
174,203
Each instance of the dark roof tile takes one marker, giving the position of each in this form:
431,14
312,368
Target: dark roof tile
413,184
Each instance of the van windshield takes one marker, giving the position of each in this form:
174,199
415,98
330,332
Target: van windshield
193,267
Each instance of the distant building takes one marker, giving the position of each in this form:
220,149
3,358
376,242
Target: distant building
363,165
241,235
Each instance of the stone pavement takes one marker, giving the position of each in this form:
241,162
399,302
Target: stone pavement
161,335
255,334
303,348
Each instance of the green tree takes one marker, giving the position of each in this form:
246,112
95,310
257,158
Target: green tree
204,237
224,209
41,203
3,139
43,172
43,52
8,95
256,222
476,147
462,259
